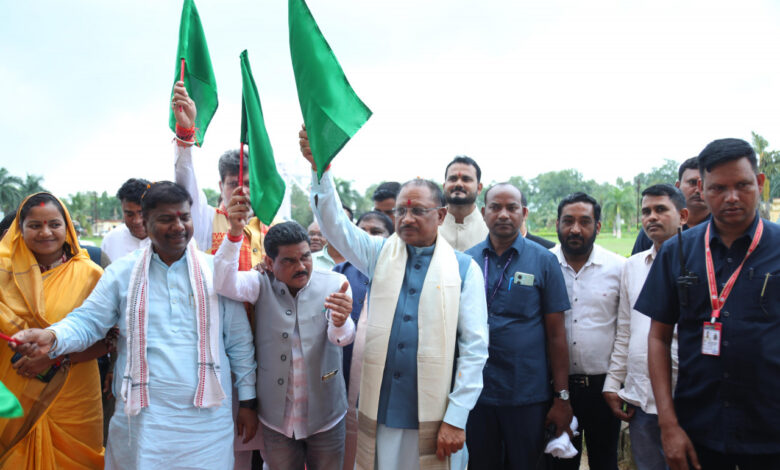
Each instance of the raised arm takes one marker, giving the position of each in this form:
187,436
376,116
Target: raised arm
358,247
202,213
243,286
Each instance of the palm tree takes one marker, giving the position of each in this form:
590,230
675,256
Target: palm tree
768,163
9,190
619,199
31,185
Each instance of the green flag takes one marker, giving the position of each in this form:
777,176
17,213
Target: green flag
266,187
332,111
9,405
198,74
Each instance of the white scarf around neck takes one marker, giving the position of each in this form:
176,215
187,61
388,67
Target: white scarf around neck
135,381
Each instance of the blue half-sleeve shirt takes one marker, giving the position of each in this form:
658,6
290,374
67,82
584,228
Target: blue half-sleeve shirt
729,403
516,372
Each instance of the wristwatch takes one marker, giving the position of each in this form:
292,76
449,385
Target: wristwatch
563,394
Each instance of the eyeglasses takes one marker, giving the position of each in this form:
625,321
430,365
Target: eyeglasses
416,211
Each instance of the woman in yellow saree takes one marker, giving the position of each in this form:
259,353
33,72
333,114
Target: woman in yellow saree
44,275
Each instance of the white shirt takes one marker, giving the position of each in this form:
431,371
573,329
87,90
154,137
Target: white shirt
463,236
594,293
628,364
120,242
245,287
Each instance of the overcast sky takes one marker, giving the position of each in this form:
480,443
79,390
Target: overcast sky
611,88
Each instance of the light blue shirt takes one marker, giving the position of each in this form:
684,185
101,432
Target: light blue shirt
165,432
362,250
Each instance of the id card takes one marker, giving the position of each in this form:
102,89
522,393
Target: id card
524,279
710,340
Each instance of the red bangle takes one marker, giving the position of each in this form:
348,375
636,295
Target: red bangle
235,239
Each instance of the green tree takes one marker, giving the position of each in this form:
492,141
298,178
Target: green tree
299,206
768,163
10,195
31,185
547,190
351,198
212,196
80,210
618,204
666,173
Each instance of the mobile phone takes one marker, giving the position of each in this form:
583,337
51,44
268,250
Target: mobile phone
44,376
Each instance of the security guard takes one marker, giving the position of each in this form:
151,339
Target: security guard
720,283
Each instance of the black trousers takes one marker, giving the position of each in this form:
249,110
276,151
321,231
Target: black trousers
505,437
597,424
713,460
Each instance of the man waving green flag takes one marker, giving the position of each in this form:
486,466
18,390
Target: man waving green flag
332,111
266,187
193,66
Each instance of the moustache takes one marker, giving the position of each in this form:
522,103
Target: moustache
403,227
575,237
301,273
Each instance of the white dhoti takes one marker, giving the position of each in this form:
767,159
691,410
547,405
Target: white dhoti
399,448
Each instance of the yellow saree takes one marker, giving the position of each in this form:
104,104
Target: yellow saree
62,425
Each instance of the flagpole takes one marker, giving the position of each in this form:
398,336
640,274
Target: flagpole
8,338
241,168
181,76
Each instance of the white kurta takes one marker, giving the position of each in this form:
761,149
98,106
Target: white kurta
120,242
171,432
463,236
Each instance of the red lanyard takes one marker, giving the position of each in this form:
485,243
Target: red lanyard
718,301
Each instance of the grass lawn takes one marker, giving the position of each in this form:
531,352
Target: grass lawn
621,246
96,240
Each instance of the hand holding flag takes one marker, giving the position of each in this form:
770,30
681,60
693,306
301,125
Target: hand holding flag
193,67
265,185
33,343
331,109
183,107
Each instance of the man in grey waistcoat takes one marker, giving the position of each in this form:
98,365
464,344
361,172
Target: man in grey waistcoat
302,319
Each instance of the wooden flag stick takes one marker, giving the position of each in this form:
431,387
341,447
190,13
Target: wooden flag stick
181,76
8,338
241,168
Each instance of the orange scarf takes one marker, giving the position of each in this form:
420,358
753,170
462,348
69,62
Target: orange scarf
62,423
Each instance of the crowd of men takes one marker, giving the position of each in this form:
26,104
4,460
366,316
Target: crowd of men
432,334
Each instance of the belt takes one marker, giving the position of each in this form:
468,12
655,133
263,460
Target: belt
585,381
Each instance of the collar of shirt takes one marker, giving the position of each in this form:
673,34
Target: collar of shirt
473,217
749,234
323,253
517,245
156,258
420,250
596,256
281,288
649,255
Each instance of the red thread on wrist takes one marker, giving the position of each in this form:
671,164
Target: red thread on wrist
236,238
185,133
